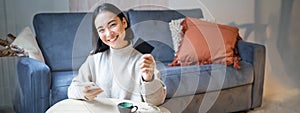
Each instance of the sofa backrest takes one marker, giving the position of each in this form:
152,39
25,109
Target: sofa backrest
64,39
153,27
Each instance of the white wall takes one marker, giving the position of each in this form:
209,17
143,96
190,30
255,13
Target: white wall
2,19
224,11
17,14
281,39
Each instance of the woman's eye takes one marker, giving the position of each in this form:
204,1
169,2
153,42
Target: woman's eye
101,31
112,25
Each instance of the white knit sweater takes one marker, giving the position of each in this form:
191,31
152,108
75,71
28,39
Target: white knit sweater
117,72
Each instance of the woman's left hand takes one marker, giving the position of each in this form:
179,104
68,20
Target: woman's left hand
147,67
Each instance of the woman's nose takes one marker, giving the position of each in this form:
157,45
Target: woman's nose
108,33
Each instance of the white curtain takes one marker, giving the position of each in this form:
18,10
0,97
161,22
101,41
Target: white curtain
8,81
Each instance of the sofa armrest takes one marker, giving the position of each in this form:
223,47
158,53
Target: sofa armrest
34,86
254,54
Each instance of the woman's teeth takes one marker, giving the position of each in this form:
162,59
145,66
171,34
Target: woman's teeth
111,40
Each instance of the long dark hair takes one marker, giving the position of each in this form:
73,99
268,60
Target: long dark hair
98,45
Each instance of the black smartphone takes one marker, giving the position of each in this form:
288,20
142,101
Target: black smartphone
143,47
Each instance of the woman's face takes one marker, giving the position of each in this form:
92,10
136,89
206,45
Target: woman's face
111,29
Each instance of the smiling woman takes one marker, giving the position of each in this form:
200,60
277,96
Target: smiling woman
118,69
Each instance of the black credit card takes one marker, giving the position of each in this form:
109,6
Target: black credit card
143,47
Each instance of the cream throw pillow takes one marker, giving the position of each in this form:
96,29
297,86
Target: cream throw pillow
27,41
175,29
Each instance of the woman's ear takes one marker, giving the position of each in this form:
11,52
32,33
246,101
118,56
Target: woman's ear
124,22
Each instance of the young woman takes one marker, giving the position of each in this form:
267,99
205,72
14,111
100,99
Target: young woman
115,66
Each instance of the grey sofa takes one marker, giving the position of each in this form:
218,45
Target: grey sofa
65,41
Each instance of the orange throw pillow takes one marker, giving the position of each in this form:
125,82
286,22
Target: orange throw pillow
207,43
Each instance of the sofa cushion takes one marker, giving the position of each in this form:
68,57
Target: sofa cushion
189,80
63,38
206,42
153,25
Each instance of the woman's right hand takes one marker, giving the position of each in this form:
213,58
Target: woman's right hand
90,94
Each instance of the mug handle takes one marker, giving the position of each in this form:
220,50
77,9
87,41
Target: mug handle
136,108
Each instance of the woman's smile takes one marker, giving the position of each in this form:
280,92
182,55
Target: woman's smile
113,39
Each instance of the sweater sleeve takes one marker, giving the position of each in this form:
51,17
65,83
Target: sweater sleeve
75,89
154,92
